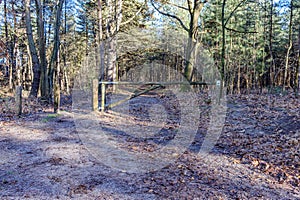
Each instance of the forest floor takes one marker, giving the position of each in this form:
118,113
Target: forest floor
256,157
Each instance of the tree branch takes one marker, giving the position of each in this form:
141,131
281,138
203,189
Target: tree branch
190,5
237,31
178,6
132,18
198,3
169,15
234,10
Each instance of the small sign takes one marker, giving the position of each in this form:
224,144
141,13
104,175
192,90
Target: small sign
218,83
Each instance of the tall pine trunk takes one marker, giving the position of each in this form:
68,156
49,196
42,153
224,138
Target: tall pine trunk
33,53
101,44
112,28
272,69
6,38
54,55
42,48
297,66
290,45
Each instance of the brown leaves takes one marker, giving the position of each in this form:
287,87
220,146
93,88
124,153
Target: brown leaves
256,157
264,131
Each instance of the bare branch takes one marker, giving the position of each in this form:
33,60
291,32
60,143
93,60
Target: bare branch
234,10
169,15
190,5
178,6
138,12
237,31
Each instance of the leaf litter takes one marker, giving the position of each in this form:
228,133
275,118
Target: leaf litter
256,157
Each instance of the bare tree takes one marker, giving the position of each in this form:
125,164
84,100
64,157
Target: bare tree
194,8
113,22
42,48
54,56
285,83
33,52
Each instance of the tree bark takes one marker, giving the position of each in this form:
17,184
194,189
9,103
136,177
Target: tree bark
101,44
16,55
112,27
33,52
272,63
18,98
195,10
223,41
56,89
54,55
6,38
12,49
297,66
42,48
285,83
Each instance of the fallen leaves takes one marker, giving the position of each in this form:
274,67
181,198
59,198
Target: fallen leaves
258,151
264,131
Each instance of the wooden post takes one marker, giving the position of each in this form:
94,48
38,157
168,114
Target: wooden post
219,87
95,86
56,97
102,97
18,100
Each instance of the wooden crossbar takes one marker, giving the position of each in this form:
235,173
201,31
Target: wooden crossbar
154,85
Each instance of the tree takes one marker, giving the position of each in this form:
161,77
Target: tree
42,49
290,45
33,52
53,65
113,22
194,9
6,36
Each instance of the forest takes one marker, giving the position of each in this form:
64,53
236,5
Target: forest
149,99
254,44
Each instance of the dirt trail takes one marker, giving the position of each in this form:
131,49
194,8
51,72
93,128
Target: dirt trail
42,157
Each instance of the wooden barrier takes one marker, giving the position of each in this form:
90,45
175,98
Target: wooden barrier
154,85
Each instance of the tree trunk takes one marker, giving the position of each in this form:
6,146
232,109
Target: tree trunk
53,61
195,11
18,65
67,82
112,27
297,66
42,48
12,49
6,42
100,42
223,41
28,70
56,89
33,52
289,49
272,70
16,54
